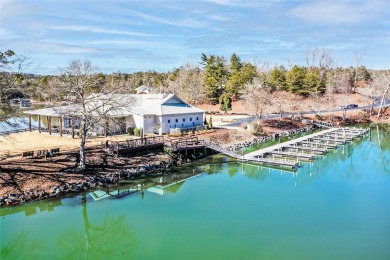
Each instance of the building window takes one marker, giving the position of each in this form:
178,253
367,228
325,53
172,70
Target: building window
169,121
184,119
176,120
190,118
197,118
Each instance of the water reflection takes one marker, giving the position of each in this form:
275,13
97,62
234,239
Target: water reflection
19,246
161,185
110,237
32,208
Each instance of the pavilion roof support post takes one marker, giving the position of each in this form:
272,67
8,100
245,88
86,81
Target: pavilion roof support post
72,126
61,118
49,123
29,122
39,123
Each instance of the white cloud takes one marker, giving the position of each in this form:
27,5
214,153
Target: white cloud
59,48
221,18
7,35
14,11
339,12
242,3
190,22
100,30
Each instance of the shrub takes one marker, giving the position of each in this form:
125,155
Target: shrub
137,131
130,131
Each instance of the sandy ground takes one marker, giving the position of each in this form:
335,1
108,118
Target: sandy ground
14,144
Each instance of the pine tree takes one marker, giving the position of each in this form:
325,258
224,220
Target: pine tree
225,103
215,76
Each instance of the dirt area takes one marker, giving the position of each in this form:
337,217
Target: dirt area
239,107
14,144
355,117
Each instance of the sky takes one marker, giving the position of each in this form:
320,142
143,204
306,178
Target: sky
140,35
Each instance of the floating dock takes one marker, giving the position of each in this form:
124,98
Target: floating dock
306,148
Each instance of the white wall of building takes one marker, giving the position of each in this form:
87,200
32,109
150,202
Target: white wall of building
166,122
149,122
130,122
135,121
181,121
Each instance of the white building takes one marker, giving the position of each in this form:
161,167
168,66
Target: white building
143,90
158,113
154,113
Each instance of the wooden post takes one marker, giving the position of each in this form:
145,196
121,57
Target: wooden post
49,124
29,122
72,126
39,123
60,125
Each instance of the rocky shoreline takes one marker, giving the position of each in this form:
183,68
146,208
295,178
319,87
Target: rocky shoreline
262,139
90,182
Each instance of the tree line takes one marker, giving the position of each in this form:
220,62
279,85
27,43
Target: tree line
215,79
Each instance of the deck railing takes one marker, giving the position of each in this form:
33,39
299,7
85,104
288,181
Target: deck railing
128,145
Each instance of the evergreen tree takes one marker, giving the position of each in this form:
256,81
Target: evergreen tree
240,74
225,103
277,79
312,83
215,76
211,122
235,64
295,80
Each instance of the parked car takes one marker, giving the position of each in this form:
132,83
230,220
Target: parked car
352,106
348,106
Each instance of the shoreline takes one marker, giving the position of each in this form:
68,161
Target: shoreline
110,173
24,180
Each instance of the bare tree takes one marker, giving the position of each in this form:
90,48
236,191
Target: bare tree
321,59
257,99
381,83
358,56
12,80
187,82
193,89
281,99
95,103
339,82
317,103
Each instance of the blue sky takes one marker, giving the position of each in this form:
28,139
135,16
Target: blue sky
130,36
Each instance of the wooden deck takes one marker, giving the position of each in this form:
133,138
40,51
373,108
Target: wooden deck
133,145
184,144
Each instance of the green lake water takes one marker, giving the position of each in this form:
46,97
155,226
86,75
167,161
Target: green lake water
338,207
